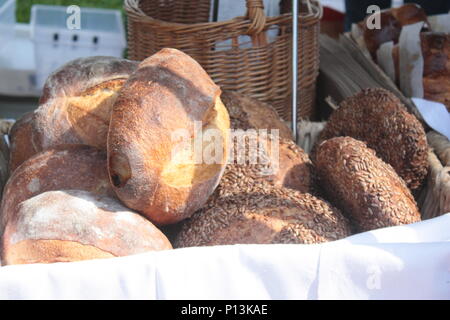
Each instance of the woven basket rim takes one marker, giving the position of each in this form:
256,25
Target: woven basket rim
132,9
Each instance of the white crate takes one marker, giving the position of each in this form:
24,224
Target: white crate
7,21
101,33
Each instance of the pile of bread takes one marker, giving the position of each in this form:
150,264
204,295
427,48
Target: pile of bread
95,172
435,48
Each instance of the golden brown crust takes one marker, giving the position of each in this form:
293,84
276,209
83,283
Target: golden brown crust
377,117
248,113
436,73
76,225
262,216
364,187
76,102
168,93
66,167
22,141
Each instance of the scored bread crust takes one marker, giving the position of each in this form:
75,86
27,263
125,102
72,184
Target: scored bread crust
65,167
364,187
74,225
76,103
377,117
249,113
264,214
169,92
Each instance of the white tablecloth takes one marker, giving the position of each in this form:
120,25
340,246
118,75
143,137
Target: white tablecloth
407,262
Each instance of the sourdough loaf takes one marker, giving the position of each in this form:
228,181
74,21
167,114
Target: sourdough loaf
73,225
152,171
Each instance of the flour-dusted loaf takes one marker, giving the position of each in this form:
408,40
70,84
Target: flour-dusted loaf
75,107
363,186
264,214
377,117
249,113
77,167
73,225
158,150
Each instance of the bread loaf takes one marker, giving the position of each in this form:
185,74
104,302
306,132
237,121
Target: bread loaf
22,141
66,167
264,158
364,187
263,216
436,71
169,94
249,113
377,117
74,108
73,225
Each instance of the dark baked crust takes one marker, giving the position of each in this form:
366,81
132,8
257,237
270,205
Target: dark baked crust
22,141
377,117
364,187
262,216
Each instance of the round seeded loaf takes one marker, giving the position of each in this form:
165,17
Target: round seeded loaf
249,113
262,215
75,106
363,186
150,169
77,167
377,117
73,225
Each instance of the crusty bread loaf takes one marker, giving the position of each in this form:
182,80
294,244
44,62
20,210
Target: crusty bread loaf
73,225
22,141
263,216
249,113
377,117
75,107
67,167
364,187
436,71
169,94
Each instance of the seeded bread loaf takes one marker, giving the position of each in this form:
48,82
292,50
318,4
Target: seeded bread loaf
249,113
364,187
66,167
73,225
377,117
262,215
264,157
168,97
75,106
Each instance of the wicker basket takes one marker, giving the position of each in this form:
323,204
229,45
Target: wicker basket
257,65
